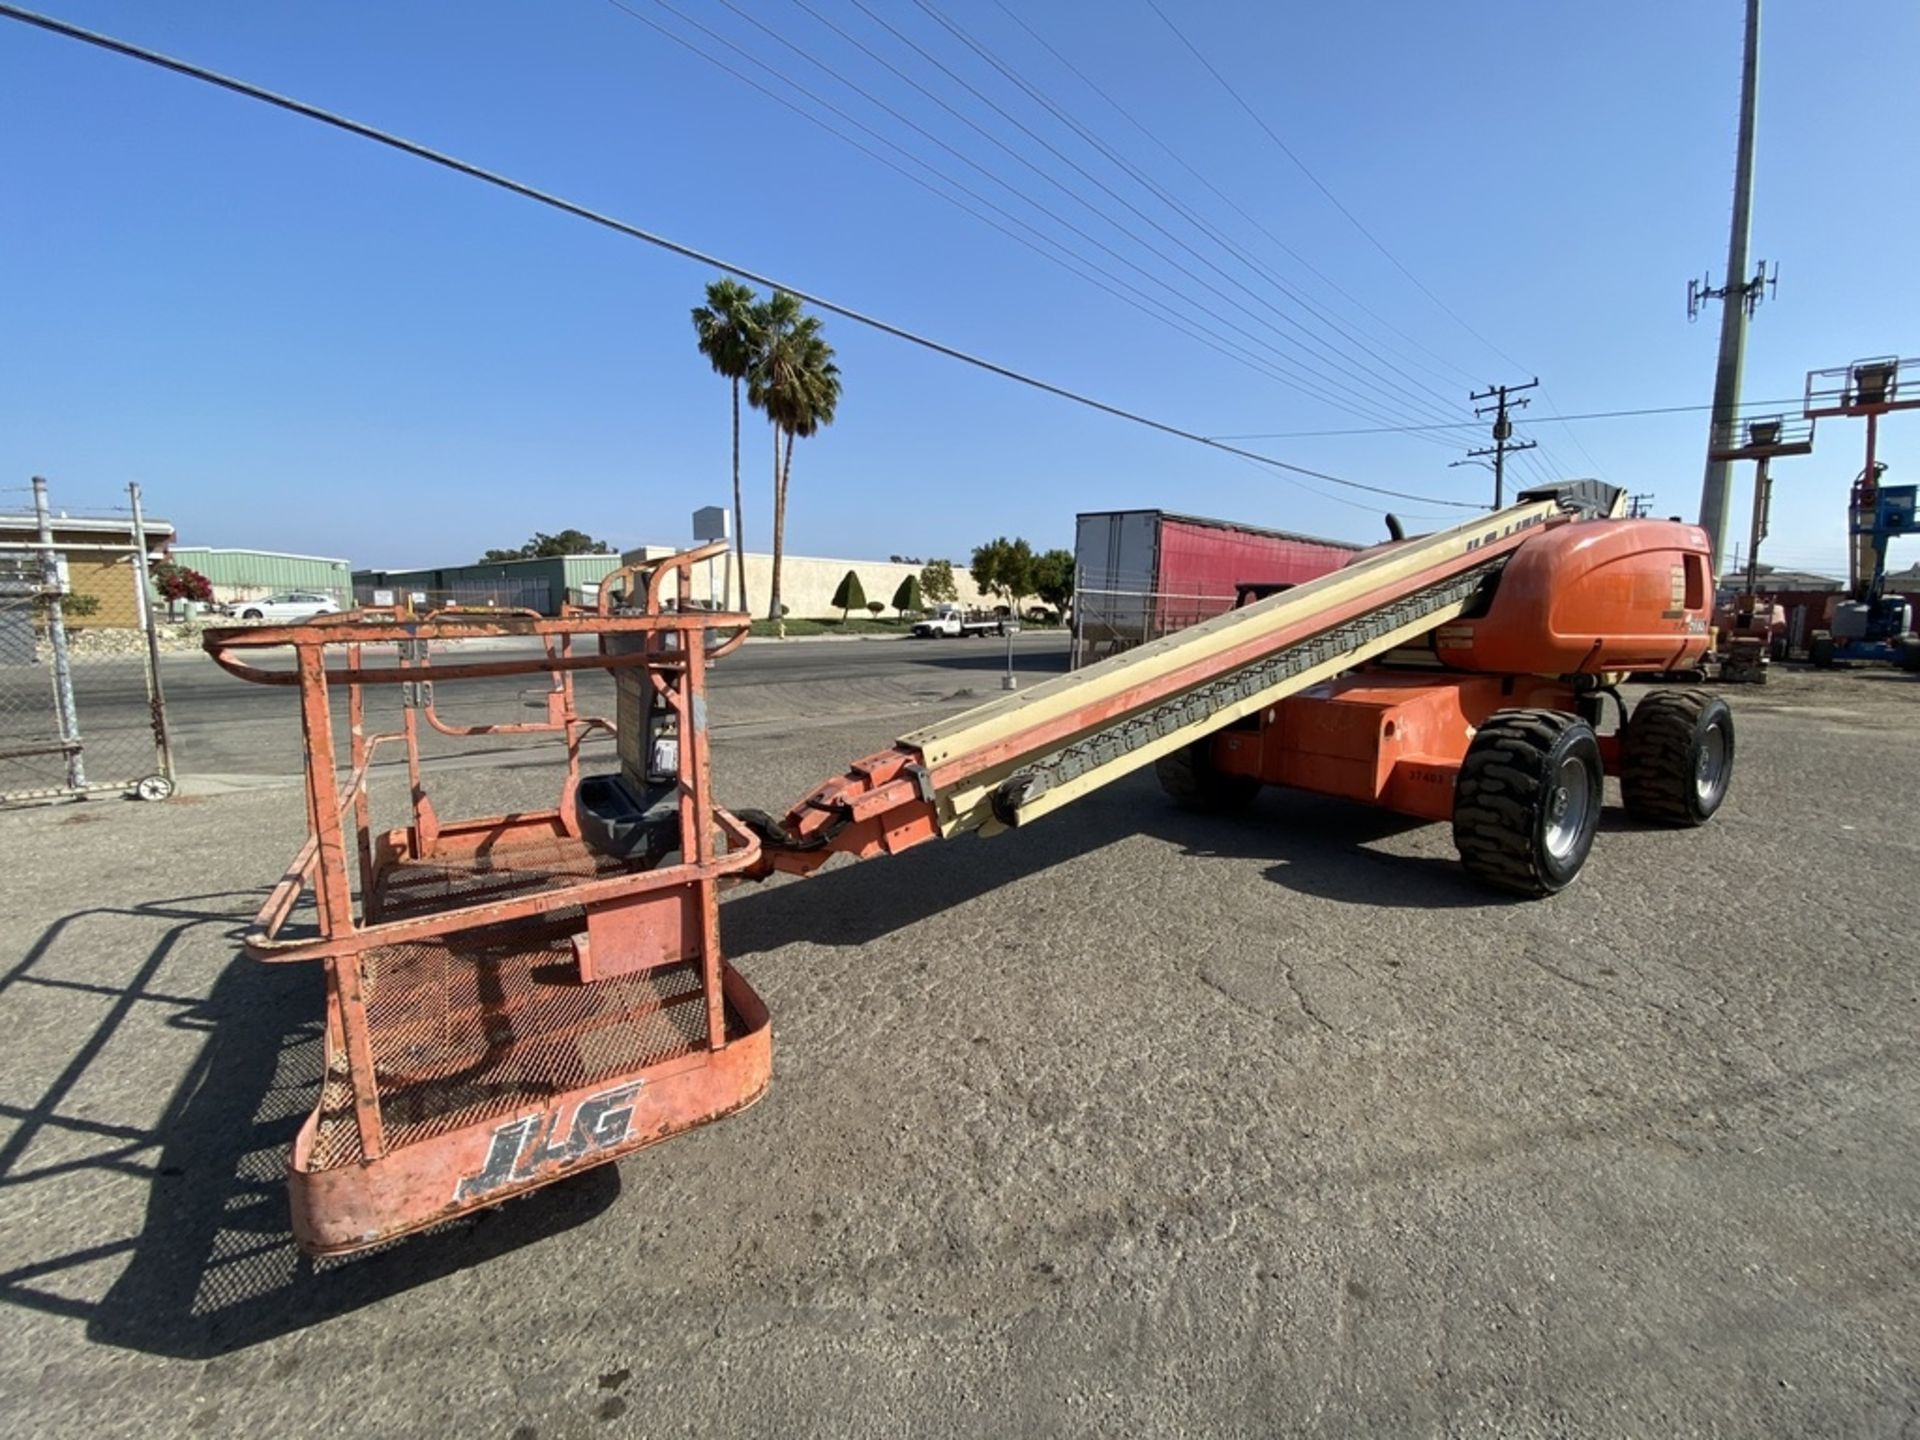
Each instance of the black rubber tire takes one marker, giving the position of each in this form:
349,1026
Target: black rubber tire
1508,801
1777,648
251,615
1909,648
1665,752
1820,651
1193,782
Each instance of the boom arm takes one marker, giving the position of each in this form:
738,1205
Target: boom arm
1015,759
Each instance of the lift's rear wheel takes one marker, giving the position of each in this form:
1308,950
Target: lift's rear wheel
1527,802
1676,757
1194,782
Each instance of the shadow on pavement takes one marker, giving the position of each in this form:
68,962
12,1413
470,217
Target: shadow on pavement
856,904
990,656
212,1267
1320,846
1311,844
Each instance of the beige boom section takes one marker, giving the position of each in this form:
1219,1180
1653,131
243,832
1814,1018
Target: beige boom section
1017,758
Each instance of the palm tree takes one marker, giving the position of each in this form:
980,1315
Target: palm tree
728,338
795,381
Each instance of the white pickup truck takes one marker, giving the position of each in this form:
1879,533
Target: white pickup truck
951,622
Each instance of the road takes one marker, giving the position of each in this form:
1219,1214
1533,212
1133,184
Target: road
1128,1123
226,728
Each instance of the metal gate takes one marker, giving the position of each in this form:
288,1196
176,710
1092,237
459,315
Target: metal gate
82,711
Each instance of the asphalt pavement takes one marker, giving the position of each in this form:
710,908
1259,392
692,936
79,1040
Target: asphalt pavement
1129,1123
230,732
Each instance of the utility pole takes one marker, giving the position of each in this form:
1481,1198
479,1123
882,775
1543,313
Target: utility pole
1738,298
1640,505
1503,441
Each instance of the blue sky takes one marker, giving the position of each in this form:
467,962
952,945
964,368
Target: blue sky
296,340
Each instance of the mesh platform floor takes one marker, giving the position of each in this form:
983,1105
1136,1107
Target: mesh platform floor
464,1032
525,867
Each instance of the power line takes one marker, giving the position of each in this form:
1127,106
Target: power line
1183,324
1201,224
1332,199
1315,386
1475,424
1049,147
1237,208
1572,434
1049,177
1354,220
529,192
1303,382
1355,504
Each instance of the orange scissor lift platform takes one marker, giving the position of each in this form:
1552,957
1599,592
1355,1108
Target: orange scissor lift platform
504,1002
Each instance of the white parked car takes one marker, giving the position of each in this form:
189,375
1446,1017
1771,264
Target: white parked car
297,605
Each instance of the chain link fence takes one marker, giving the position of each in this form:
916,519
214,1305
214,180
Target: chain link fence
81,710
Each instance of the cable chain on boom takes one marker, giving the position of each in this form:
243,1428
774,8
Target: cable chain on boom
1194,706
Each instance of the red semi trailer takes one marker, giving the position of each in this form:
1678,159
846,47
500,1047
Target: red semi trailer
1141,574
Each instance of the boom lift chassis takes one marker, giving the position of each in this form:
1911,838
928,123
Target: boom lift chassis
514,998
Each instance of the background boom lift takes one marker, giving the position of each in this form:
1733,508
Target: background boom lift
1869,624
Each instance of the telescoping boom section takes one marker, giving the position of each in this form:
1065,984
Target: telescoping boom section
1009,762
512,998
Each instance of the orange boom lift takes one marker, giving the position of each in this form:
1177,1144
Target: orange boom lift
514,998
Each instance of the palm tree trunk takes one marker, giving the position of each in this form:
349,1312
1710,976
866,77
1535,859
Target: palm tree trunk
779,537
786,473
739,511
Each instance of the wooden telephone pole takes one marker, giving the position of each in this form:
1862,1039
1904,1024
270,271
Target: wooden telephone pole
1503,442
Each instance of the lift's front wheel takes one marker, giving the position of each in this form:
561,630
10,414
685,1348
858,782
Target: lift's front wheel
1676,758
1194,782
1527,802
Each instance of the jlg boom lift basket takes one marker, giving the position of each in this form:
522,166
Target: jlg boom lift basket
518,997
507,1003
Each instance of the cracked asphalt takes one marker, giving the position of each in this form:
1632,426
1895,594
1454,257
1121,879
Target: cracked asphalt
1133,1122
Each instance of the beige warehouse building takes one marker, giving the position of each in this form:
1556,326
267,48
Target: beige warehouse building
807,582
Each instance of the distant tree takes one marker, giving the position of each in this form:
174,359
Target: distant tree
181,582
985,565
543,545
1053,578
728,336
850,595
874,607
908,595
937,582
1004,567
